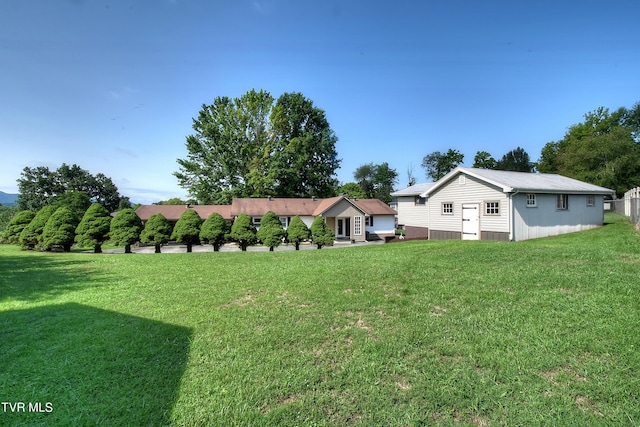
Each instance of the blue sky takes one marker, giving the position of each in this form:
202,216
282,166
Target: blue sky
113,85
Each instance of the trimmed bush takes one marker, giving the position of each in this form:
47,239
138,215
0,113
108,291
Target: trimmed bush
60,230
297,231
243,231
94,227
271,232
18,223
125,229
215,231
157,231
187,229
30,235
321,235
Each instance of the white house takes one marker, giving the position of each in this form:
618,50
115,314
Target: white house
472,204
412,210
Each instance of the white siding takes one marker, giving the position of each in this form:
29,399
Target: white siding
469,190
382,224
308,220
545,220
411,214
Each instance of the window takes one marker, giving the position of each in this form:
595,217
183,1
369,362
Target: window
531,200
284,221
492,208
447,208
368,220
562,202
591,200
256,220
420,200
357,225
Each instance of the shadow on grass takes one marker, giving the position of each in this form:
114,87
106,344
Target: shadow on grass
33,276
89,366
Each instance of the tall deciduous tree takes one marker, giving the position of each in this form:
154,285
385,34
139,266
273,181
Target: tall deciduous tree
125,229
94,227
377,181
39,186
515,160
603,150
248,146
243,231
60,229
18,223
187,229
484,160
156,232
30,235
438,165
214,231
271,232
352,190
297,231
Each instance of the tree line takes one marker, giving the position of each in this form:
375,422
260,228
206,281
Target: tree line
60,228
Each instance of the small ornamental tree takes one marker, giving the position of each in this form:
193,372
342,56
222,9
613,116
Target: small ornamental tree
187,229
18,223
321,235
125,229
271,232
30,235
60,229
94,227
243,231
157,231
297,231
214,231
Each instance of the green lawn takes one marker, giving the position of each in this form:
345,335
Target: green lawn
542,332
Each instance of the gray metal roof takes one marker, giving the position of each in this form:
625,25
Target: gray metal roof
511,182
414,190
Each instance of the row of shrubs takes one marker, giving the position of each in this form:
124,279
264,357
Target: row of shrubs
52,228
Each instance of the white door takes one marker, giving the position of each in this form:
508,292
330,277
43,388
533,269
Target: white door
471,221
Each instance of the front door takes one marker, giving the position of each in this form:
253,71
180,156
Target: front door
471,221
340,227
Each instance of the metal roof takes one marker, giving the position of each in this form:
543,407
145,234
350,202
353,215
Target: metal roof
414,190
511,182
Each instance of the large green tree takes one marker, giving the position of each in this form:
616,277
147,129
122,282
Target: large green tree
125,229
40,186
93,229
156,232
438,164
377,181
604,150
60,229
484,160
352,190
187,229
516,160
249,146
215,231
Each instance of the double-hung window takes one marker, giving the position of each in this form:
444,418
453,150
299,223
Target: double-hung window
591,200
562,202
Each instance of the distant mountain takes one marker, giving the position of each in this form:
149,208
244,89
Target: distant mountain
7,199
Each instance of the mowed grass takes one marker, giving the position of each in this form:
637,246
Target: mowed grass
542,332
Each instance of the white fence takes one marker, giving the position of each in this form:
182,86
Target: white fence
632,205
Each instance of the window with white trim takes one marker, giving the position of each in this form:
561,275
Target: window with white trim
283,221
420,200
447,208
357,225
492,208
562,202
256,220
531,200
368,220
591,200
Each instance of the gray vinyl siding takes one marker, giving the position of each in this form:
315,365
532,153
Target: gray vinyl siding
546,220
472,191
411,214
